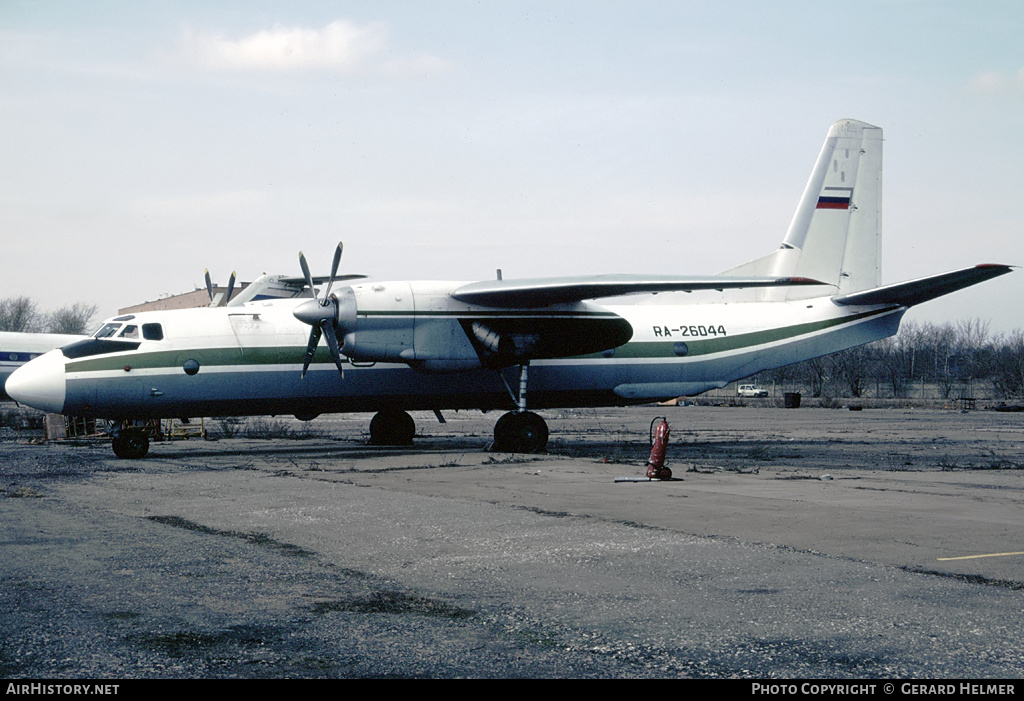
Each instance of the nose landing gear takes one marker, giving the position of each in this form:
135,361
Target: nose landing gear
130,442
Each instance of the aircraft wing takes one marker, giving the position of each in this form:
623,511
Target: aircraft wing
541,292
907,294
318,280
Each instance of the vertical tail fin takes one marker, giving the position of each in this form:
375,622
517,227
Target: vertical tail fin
836,233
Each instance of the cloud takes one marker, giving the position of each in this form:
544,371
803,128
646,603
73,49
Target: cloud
341,46
996,83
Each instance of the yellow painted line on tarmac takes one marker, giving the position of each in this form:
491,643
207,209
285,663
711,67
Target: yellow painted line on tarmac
972,557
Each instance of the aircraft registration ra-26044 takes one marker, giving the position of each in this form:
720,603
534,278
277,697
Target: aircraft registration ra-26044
518,345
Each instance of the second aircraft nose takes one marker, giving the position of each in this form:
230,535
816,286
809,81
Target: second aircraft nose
39,383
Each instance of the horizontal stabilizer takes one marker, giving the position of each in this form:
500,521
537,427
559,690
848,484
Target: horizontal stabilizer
907,294
541,292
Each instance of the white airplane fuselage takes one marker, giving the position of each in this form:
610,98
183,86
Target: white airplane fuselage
247,360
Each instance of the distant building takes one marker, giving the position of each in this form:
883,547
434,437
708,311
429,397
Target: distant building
187,300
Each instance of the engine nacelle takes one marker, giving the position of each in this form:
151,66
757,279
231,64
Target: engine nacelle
420,324
382,322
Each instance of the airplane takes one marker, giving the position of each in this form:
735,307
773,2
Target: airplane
518,345
19,347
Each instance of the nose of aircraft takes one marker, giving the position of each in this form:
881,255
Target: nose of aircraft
39,383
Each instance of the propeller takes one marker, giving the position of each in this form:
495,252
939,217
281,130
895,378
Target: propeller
209,287
323,314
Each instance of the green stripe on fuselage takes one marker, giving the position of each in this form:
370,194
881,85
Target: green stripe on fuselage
291,355
722,344
279,355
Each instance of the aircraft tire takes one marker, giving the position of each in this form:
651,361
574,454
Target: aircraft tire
131,445
503,432
392,427
522,432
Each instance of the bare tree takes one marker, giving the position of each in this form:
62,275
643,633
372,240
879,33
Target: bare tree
936,355
1007,367
19,314
74,318
973,348
816,373
898,357
852,368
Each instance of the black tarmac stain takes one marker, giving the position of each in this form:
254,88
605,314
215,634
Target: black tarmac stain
249,536
393,602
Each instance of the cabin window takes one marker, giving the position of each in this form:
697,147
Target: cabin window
153,332
130,331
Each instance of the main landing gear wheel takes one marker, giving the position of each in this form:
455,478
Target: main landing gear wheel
131,444
392,427
520,432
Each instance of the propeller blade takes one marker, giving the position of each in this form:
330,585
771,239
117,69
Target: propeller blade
334,270
209,284
231,286
305,273
332,343
314,340
320,314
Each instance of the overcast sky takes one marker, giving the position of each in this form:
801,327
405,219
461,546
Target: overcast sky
142,142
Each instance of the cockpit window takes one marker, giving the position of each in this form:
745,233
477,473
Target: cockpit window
97,346
114,337
107,331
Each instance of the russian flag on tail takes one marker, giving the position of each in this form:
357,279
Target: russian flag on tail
835,198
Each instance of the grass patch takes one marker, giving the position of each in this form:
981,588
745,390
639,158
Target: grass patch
265,428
